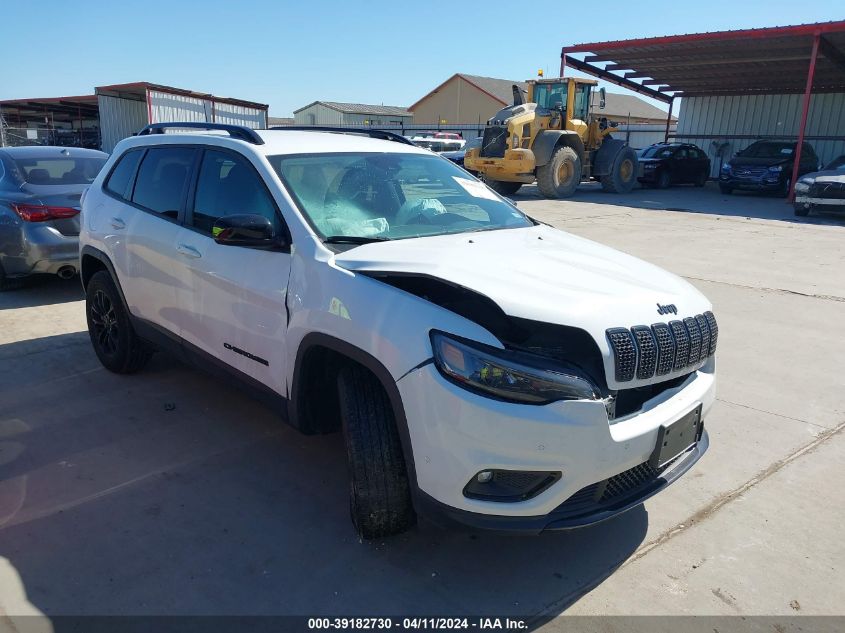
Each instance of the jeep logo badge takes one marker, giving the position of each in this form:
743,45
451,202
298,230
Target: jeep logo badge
669,307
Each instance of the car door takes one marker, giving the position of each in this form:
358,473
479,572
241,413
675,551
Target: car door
233,297
699,163
681,165
148,225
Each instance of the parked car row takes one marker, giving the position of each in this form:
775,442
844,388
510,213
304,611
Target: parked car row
40,189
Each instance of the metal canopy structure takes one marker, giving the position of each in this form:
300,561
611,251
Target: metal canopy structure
55,109
803,59
754,61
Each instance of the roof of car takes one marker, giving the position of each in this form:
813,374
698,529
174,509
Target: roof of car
287,142
46,151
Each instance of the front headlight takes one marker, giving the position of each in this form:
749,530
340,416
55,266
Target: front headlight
507,375
803,184
776,169
726,168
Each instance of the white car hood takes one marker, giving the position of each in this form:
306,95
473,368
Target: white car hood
540,273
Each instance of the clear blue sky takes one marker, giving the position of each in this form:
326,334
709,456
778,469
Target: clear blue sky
288,54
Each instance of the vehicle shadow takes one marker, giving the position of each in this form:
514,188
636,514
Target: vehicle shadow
42,290
690,199
171,492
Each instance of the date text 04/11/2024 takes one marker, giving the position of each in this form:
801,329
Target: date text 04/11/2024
428,623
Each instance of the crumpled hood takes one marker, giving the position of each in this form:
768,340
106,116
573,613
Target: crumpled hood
540,273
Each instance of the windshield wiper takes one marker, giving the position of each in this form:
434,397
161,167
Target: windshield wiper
354,239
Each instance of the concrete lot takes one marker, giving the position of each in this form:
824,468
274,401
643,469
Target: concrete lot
171,492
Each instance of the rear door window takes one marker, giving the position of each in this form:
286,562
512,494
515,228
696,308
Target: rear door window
228,185
121,175
162,180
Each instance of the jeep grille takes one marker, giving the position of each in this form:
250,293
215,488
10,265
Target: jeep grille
644,351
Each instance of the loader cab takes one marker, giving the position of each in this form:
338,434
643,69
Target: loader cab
570,97
550,95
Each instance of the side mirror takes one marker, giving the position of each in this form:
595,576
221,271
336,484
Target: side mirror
602,98
246,229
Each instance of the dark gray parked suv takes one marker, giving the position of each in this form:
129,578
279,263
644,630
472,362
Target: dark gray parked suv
40,188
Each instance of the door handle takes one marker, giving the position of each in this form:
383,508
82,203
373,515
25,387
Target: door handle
118,223
188,251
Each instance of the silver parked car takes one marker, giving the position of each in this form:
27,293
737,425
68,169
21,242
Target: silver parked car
40,188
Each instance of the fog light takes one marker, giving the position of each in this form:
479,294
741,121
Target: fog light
509,485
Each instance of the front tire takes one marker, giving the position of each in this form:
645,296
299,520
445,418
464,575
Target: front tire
726,190
663,179
801,210
622,177
115,342
560,177
379,489
503,187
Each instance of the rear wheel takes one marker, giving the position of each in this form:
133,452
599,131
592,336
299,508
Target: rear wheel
701,179
560,177
502,187
624,173
379,490
115,341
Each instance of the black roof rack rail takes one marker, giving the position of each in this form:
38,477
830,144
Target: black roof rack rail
235,131
383,135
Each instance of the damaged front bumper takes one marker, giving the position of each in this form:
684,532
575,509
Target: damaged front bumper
458,434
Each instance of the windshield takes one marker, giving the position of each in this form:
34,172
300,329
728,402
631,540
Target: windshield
59,171
837,164
550,96
658,151
391,196
768,150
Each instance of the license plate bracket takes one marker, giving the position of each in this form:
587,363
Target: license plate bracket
676,438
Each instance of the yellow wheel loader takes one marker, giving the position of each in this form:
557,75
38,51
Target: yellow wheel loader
552,138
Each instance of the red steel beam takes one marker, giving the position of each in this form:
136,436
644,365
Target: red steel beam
717,36
805,109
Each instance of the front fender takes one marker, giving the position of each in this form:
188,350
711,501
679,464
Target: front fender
547,141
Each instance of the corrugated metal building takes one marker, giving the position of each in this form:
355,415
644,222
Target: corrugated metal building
723,125
333,113
127,108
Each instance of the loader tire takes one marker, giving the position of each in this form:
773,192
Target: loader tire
560,177
622,177
502,187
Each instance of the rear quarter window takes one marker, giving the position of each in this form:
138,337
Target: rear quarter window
121,175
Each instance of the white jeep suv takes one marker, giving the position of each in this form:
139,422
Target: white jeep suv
484,367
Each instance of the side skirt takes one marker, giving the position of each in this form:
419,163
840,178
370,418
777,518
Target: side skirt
193,355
